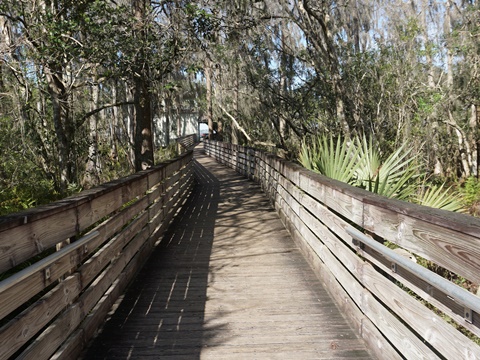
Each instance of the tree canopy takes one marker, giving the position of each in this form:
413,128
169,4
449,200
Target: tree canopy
82,81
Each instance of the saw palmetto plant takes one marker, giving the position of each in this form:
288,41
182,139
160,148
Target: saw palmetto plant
359,162
437,196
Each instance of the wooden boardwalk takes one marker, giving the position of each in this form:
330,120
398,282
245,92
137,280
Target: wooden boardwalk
226,282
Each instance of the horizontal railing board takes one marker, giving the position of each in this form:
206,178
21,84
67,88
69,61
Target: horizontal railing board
77,342
313,230
38,280
435,297
396,331
365,327
38,231
341,205
404,305
43,211
85,275
338,227
448,248
148,216
396,213
19,291
464,255
52,338
14,335
106,230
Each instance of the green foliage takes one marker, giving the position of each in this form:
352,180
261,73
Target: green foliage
23,183
437,197
333,158
167,153
359,163
470,192
24,188
392,177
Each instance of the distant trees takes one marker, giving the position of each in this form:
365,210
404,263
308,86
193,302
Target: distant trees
80,81
394,70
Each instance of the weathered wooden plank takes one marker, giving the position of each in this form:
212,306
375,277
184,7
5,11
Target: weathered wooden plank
111,250
446,339
438,299
24,326
389,325
362,324
312,337
418,347
283,203
79,339
20,291
42,229
433,296
21,243
25,321
327,190
87,272
52,338
450,249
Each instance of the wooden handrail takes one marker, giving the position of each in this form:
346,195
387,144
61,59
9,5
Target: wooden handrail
56,303
457,293
44,263
320,213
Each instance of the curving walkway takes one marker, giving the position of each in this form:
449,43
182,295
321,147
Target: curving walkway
226,282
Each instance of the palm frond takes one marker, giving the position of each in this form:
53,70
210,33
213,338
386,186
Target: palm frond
437,197
359,163
338,159
307,155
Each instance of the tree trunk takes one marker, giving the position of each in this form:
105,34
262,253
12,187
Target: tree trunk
474,139
130,125
317,28
463,147
209,114
143,140
91,173
283,84
168,116
4,46
114,123
62,123
234,130
143,144
432,118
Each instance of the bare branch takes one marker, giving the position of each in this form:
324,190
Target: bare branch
103,107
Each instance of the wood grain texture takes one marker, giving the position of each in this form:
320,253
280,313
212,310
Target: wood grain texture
226,281
24,235
450,249
45,323
443,337
305,202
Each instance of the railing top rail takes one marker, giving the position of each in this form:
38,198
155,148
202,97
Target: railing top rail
39,212
457,293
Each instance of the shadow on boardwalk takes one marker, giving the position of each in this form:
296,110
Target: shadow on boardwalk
162,311
226,282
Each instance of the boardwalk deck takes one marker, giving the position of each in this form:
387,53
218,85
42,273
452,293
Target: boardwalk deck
226,282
